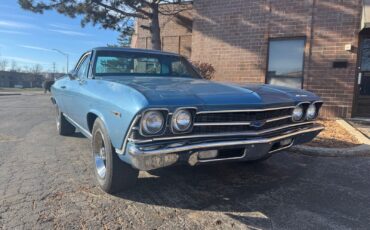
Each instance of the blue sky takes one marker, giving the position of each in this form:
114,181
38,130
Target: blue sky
29,38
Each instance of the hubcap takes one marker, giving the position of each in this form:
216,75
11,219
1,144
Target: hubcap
99,155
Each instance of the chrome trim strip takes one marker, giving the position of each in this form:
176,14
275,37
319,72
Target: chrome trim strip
122,150
246,110
282,148
134,151
83,131
221,123
223,159
238,123
278,118
248,133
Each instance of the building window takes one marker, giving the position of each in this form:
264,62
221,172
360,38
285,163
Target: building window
285,62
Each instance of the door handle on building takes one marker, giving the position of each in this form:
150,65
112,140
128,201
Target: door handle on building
359,79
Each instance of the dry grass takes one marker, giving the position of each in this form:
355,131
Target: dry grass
334,136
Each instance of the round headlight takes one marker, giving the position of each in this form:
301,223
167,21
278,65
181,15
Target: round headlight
181,120
152,122
297,114
311,112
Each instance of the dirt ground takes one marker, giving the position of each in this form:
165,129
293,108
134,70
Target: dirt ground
334,136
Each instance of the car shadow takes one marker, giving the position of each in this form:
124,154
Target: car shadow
77,135
289,190
210,187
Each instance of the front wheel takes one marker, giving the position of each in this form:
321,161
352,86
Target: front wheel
112,174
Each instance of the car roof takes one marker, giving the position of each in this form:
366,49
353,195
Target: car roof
134,50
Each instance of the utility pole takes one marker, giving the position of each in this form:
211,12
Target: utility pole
64,54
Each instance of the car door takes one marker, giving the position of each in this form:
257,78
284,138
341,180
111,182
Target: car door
75,100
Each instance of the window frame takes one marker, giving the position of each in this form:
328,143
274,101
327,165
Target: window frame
81,61
304,38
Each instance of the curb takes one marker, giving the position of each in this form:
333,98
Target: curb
358,151
357,134
10,94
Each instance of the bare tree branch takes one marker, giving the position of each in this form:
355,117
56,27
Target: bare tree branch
135,15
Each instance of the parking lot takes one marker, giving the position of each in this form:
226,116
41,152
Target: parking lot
46,181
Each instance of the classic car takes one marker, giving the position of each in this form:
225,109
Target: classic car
146,109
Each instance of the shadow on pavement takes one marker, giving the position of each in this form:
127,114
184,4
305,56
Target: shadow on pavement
211,187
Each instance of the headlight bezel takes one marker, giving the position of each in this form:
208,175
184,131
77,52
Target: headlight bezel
164,115
312,105
305,106
317,105
191,112
302,117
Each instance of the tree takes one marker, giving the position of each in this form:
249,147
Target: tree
36,69
125,37
14,66
206,70
113,14
3,64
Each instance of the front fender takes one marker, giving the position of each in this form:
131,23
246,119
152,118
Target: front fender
116,109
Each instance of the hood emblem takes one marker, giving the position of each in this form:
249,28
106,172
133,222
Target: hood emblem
257,124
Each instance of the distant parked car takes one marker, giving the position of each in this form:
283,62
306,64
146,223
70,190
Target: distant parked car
18,86
147,109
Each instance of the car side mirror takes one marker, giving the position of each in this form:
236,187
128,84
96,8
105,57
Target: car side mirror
72,75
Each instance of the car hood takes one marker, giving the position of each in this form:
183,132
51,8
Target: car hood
179,91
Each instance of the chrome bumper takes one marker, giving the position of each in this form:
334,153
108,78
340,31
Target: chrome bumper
257,147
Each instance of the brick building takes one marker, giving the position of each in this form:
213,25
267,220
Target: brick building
319,45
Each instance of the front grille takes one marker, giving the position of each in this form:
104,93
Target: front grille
238,128
231,122
241,116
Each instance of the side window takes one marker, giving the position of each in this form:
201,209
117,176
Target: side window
84,68
178,68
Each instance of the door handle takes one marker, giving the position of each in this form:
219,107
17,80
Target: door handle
63,87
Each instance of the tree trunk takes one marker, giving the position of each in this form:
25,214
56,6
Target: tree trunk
155,30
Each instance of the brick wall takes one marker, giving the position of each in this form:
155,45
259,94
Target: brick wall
176,33
233,35
336,23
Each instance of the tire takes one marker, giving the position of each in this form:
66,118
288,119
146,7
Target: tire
64,128
112,174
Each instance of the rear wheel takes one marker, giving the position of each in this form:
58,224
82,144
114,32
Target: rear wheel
112,174
64,128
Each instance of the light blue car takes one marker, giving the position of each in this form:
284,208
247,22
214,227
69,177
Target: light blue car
146,109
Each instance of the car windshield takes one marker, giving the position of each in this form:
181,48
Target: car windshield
122,63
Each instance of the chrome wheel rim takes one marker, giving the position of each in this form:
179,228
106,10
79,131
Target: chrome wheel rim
99,155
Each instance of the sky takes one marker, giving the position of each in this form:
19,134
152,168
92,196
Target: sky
30,38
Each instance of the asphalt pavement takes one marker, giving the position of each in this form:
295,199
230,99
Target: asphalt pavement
46,181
